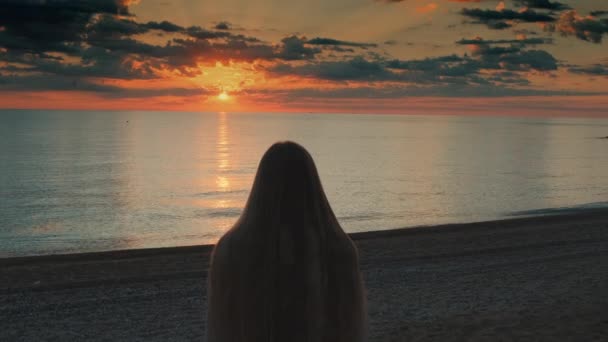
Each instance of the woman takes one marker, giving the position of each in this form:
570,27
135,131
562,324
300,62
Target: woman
286,271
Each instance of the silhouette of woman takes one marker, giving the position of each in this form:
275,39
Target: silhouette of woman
286,271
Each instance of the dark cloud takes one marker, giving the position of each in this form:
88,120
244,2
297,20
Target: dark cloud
41,82
73,45
488,50
36,7
424,64
58,82
223,25
525,32
337,48
543,4
356,68
490,63
464,1
497,25
164,26
110,26
95,62
469,1
511,55
143,93
51,25
592,70
528,60
201,33
525,41
540,4
330,41
100,43
598,13
294,48
585,28
495,19
441,70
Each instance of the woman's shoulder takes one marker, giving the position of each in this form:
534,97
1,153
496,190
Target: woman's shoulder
224,245
232,240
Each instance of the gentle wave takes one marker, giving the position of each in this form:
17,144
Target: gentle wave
219,212
219,193
561,210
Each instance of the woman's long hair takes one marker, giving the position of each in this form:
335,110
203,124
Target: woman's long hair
286,271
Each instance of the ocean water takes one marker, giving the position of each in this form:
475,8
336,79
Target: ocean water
75,181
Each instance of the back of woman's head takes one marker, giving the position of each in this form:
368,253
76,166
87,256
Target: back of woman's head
287,190
286,271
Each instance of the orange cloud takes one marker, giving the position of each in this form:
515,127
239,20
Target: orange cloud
428,8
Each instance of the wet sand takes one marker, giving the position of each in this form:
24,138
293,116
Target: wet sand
528,279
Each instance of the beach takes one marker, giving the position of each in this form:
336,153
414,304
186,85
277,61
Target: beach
526,279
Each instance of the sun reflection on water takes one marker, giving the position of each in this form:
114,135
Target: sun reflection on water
224,180
223,153
223,183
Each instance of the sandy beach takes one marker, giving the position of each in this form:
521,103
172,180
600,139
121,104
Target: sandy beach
526,279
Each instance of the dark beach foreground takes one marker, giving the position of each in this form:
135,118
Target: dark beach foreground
528,279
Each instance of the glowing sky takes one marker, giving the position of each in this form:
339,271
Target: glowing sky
521,57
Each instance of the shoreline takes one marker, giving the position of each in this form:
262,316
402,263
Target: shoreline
207,248
541,278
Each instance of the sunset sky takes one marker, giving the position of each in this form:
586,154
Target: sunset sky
513,57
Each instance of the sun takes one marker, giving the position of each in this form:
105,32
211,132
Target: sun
223,96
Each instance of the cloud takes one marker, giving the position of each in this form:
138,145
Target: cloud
598,13
357,68
495,19
41,82
451,65
109,26
588,29
51,25
591,70
492,63
525,32
294,48
66,46
65,83
511,54
465,1
56,45
330,41
164,26
99,43
223,25
526,60
525,41
543,4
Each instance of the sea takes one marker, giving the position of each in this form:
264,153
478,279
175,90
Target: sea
85,181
